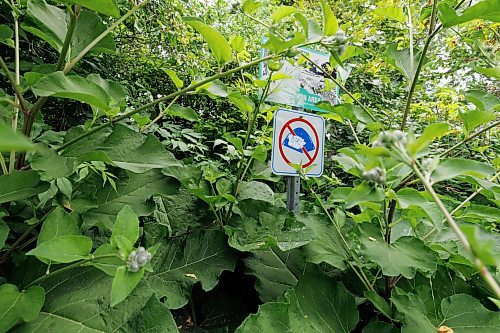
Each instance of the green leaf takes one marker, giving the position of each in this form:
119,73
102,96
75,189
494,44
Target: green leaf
402,61
106,7
131,189
486,10
115,91
64,249
123,147
58,223
430,133
283,11
474,118
73,87
78,301
217,43
6,34
317,304
175,79
124,283
483,243
453,167
330,23
126,225
275,271
379,302
491,72
47,22
415,205
405,256
462,313
395,13
182,262
380,327
327,246
364,192
183,112
107,265
18,306
260,153
88,27
51,165
249,6
4,233
257,191
10,140
20,185
483,100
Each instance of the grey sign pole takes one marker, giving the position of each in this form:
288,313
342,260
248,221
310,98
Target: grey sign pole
293,189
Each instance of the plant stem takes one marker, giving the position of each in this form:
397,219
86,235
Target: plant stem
69,267
17,90
414,79
487,128
12,158
69,35
483,270
161,115
3,165
341,86
163,99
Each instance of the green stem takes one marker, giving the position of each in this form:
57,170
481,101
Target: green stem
487,128
483,270
15,86
414,79
161,115
12,159
3,165
341,86
163,99
70,267
69,35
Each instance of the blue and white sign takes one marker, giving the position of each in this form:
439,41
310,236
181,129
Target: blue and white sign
298,139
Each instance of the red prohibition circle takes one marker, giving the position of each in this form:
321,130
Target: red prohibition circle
287,126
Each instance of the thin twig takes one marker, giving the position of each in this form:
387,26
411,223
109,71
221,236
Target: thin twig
487,128
15,86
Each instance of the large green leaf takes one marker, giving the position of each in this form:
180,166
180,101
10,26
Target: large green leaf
391,12
78,301
454,167
18,306
283,11
50,165
182,262
122,147
131,189
486,10
126,225
430,133
64,249
256,190
483,100
88,27
217,43
317,304
259,225
20,185
124,283
416,206
327,247
106,7
73,87
57,223
462,313
47,22
330,23
249,6
10,140
275,271
405,256
475,118
402,61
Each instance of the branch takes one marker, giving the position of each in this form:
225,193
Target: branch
496,123
15,86
69,35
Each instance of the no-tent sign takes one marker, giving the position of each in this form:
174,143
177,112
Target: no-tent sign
298,139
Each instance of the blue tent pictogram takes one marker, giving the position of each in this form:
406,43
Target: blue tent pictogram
300,140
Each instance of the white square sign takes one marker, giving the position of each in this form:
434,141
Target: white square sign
299,138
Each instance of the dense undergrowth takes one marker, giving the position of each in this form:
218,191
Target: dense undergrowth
136,193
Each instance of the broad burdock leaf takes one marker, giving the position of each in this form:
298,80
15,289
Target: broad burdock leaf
275,271
79,301
416,206
64,249
316,304
123,147
462,313
131,189
330,23
182,262
258,225
486,10
10,140
20,185
217,43
18,306
402,61
106,7
51,165
405,256
58,223
257,191
454,167
88,27
281,12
